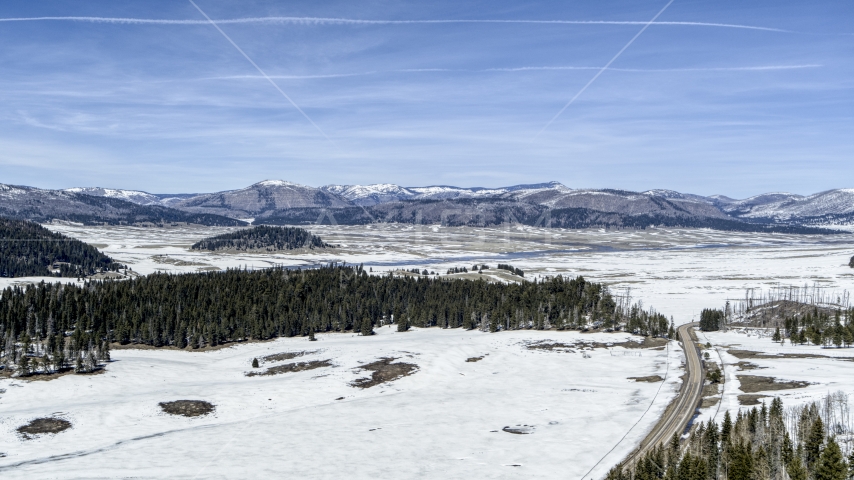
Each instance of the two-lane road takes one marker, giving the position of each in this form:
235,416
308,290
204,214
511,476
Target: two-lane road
681,410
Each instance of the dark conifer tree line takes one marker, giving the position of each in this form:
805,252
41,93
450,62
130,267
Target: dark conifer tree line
511,269
207,309
819,327
711,319
28,249
762,444
263,237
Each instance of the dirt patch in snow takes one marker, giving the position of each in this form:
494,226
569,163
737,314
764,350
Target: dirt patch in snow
280,357
646,342
187,408
648,379
561,347
292,367
474,359
750,399
742,365
709,402
755,383
710,390
41,426
747,354
384,371
43,377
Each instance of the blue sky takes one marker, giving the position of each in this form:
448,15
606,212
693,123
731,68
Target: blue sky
415,94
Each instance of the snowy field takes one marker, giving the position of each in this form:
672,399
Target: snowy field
446,420
827,370
677,271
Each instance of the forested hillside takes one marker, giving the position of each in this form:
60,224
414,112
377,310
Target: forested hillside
207,309
28,249
762,443
262,238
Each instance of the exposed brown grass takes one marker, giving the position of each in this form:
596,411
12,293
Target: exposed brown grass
750,399
292,367
384,371
755,383
187,408
648,379
41,426
280,357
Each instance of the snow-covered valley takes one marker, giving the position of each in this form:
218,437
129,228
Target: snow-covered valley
445,420
679,272
574,402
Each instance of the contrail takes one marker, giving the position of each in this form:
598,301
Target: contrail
602,69
354,21
276,86
756,68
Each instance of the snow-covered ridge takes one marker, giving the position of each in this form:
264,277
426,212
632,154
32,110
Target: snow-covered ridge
387,192
134,196
786,206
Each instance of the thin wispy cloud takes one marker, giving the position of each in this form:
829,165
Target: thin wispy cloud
613,59
757,68
274,84
354,21
425,93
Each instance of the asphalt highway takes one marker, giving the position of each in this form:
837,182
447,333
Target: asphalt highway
681,410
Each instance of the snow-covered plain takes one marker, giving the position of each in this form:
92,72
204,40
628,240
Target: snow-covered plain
677,271
830,372
443,421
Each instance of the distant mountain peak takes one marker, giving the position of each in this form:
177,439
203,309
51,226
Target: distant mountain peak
276,183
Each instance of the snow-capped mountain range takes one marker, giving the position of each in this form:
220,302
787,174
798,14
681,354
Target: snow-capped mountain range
279,201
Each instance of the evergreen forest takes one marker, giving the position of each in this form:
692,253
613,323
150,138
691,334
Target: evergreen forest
262,238
711,319
761,444
71,322
28,249
820,328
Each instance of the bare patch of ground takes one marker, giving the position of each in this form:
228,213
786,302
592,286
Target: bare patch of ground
187,408
750,399
165,259
292,367
561,347
206,348
742,365
475,359
384,371
710,390
709,402
755,383
43,377
648,379
280,357
42,426
742,354
647,342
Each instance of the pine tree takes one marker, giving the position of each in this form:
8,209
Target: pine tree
741,462
796,469
254,363
812,447
831,465
851,464
367,327
726,428
776,337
